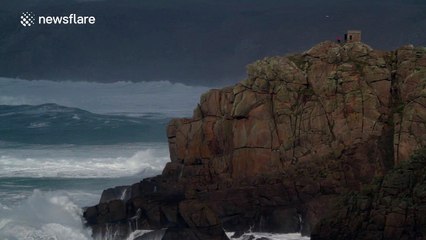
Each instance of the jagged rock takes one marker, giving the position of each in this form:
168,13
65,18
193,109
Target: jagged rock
153,235
112,211
114,193
275,151
198,222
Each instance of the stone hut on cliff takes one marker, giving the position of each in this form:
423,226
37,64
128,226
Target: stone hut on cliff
353,36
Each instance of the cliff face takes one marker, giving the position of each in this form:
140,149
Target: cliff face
392,207
273,152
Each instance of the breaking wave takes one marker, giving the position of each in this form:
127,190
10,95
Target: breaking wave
84,161
54,124
43,216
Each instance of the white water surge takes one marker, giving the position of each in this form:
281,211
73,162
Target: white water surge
70,161
43,216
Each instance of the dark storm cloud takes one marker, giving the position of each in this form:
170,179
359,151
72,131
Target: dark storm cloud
193,41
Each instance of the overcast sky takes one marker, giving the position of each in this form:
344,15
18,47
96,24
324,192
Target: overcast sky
203,42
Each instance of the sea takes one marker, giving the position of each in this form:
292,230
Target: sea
63,143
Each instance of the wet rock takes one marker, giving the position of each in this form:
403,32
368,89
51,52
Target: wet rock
153,235
114,193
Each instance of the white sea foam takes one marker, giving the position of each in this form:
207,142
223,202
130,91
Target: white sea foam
38,125
271,236
149,235
43,216
3,207
248,236
55,215
84,161
158,97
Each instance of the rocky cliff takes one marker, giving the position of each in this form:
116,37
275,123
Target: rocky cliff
274,152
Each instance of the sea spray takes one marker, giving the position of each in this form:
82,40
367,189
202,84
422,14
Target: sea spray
69,161
44,215
147,235
269,236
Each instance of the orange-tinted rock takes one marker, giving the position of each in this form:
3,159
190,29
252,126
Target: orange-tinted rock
299,131
211,103
333,105
250,162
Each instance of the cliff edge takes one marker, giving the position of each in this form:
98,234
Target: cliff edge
275,151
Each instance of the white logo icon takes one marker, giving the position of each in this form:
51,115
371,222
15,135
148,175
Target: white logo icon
27,19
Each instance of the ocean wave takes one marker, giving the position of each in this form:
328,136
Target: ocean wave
46,215
43,216
156,98
84,161
55,124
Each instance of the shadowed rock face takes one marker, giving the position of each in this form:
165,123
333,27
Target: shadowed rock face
274,151
392,207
